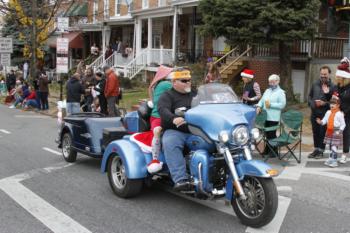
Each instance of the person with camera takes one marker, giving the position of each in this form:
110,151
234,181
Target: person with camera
319,96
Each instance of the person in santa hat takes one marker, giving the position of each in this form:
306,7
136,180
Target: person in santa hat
334,119
342,78
251,89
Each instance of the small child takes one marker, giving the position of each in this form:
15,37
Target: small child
334,119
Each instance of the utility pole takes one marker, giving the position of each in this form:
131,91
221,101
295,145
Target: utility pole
33,61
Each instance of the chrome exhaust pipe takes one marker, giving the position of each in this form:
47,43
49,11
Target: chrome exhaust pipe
200,181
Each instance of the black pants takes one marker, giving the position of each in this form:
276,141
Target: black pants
270,135
346,134
44,100
103,104
318,132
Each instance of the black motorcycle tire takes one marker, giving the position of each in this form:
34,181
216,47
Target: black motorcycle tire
270,200
120,184
68,153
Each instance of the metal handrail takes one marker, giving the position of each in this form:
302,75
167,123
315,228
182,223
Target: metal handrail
228,53
239,57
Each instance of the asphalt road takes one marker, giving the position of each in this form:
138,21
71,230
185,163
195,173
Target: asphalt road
40,192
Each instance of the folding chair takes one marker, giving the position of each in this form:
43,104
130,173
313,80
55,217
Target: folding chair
260,120
290,136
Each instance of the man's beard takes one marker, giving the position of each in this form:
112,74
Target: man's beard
187,89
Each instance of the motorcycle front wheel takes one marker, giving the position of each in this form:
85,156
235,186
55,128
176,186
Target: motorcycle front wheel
261,203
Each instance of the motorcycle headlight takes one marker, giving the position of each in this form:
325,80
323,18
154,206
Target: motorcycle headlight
240,135
255,133
223,136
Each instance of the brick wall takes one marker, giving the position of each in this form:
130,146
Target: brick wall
123,9
111,7
153,3
137,4
100,10
263,69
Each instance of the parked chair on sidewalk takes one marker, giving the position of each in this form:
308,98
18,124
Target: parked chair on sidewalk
290,136
263,141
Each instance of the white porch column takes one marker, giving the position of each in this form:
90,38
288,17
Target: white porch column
149,40
174,33
138,25
103,42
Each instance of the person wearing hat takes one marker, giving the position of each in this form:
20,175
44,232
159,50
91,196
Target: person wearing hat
334,119
213,74
111,91
273,102
175,128
251,89
319,95
342,78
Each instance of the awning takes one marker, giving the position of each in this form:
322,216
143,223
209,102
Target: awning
76,40
81,10
71,9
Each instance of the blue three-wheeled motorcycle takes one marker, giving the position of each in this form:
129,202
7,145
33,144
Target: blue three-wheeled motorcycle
219,157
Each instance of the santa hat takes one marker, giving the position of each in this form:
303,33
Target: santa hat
247,73
343,69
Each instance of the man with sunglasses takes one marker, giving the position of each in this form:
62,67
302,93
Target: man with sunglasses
175,128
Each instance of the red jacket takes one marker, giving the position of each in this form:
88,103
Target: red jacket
112,84
31,96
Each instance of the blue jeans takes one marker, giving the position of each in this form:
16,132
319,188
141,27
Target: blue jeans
73,108
18,101
32,103
173,143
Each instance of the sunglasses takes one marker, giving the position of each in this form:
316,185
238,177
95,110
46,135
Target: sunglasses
185,80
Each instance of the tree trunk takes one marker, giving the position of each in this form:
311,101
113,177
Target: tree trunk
286,70
33,60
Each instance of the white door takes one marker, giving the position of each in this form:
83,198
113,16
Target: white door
298,79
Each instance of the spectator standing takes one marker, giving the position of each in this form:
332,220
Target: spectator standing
74,91
251,89
319,95
342,78
88,81
81,67
99,88
111,91
94,50
108,52
11,80
273,102
44,92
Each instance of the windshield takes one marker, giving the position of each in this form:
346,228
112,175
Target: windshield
215,93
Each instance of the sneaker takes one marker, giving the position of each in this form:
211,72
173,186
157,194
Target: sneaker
342,159
312,154
334,163
328,162
12,106
319,155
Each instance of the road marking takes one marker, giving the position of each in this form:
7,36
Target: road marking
51,217
32,116
284,188
52,151
276,223
5,131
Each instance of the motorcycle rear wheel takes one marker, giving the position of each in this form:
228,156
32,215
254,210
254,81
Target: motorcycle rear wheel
261,204
121,185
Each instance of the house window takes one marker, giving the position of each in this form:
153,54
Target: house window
95,10
117,7
144,4
161,2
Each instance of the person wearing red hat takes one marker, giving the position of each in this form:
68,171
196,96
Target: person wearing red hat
342,78
251,89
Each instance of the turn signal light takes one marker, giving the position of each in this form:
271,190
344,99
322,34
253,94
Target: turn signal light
272,172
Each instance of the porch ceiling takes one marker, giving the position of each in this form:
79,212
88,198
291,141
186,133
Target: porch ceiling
154,12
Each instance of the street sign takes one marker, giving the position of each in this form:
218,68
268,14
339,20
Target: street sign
6,45
5,59
62,45
62,24
62,65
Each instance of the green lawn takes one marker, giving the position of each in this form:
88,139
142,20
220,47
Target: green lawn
132,97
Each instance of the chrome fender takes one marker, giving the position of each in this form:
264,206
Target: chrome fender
133,158
255,168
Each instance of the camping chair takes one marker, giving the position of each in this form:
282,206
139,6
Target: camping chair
290,136
260,120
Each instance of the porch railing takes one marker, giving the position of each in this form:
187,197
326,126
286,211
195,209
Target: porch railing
98,63
136,65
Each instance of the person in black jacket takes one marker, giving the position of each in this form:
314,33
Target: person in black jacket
343,88
319,95
100,87
74,91
11,81
175,128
